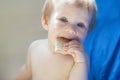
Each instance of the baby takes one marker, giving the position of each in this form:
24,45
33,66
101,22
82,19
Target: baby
61,56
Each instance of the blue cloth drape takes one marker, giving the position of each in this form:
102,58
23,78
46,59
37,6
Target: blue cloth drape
103,44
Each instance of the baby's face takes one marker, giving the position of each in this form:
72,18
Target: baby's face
69,22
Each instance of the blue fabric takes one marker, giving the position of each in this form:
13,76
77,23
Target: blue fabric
103,44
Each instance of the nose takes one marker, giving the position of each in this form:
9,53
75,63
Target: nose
70,29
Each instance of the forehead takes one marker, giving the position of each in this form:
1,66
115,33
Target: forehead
57,3
66,5
71,8
72,11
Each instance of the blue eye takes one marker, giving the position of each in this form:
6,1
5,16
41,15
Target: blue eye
81,25
63,19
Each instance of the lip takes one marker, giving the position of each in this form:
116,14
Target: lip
68,37
65,39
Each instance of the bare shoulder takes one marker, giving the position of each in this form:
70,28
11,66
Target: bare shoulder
38,43
39,46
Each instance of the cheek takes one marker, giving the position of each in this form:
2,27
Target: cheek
82,34
58,26
55,29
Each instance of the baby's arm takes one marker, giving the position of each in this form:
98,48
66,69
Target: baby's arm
25,72
79,72
80,67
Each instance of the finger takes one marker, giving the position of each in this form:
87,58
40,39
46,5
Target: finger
77,55
72,51
74,42
71,43
77,46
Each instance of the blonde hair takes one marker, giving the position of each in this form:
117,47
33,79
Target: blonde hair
49,8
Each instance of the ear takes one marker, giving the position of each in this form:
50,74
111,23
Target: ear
45,22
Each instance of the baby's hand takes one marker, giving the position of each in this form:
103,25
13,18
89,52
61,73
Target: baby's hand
75,49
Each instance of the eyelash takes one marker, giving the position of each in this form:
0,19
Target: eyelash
81,25
63,20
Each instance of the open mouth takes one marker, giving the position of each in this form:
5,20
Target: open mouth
64,39
59,44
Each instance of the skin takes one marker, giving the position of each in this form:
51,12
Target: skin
70,22
43,63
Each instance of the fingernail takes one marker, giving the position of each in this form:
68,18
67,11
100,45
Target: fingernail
65,45
65,48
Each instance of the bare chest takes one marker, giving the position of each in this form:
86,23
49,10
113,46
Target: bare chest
51,67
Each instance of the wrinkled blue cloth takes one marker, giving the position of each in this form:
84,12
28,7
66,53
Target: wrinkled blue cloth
103,44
